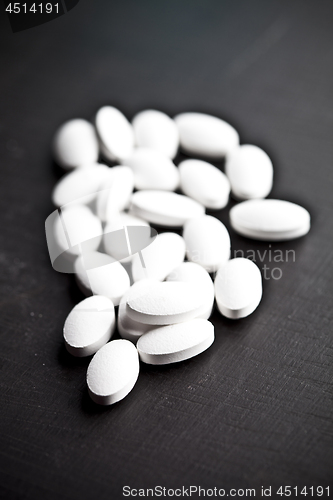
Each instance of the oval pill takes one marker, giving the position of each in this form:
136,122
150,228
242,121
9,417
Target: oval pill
207,242
156,130
205,183
115,133
173,343
89,326
205,135
270,220
115,192
113,372
238,288
116,223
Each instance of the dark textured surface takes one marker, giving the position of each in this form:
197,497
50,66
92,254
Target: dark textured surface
256,408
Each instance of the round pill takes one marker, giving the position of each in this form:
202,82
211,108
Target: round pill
116,223
207,242
100,274
152,170
205,183
238,288
270,220
156,130
115,133
113,372
115,192
75,144
165,208
89,326
173,343
250,172
205,135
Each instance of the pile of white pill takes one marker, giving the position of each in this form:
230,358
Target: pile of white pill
165,285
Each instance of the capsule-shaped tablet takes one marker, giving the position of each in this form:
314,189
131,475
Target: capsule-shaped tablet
75,144
173,343
250,172
156,130
89,326
165,208
270,220
238,288
207,242
152,170
113,372
205,183
158,259
116,223
115,133
206,135
115,192
100,274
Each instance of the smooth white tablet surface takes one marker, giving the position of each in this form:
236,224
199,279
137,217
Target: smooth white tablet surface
270,220
165,253
115,192
115,223
156,130
250,172
75,144
165,208
238,288
113,372
207,242
89,326
206,135
152,170
115,133
173,343
205,183
100,274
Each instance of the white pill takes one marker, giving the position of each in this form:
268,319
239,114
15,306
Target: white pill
165,253
118,222
115,133
77,229
165,303
100,274
250,172
152,170
198,277
207,242
75,144
270,220
173,343
206,135
89,326
115,192
80,185
238,288
165,208
156,130
113,372
205,183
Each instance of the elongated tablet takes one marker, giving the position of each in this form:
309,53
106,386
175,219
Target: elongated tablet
115,133
115,192
238,288
173,343
270,220
113,372
89,326
156,130
165,208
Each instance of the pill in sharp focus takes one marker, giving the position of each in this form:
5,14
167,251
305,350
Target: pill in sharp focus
238,288
156,130
89,326
270,220
205,183
205,135
152,170
113,372
116,223
207,242
115,133
165,253
165,208
100,274
115,192
173,343
250,172
75,144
